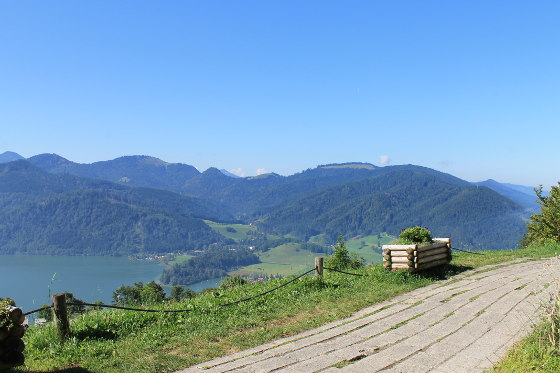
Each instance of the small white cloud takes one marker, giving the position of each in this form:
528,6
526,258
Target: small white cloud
261,171
238,172
384,160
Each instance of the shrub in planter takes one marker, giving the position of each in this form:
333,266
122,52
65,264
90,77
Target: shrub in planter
415,235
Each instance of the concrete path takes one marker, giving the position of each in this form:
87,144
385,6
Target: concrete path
465,324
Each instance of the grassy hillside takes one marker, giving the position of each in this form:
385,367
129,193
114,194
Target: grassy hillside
291,258
369,247
283,260
239,232
124,341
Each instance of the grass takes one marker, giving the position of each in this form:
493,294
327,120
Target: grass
289,259
284,260
290,253
369,247
236,232
489,257
540,351
124,341
180,259
270,269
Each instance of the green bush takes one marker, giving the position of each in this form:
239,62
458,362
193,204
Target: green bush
415,235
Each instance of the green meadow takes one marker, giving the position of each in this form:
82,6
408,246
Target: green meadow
284,260
126,341
236,232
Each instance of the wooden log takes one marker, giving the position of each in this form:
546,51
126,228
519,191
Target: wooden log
402,259
16,331
12,359
399,252
432,258
400,266
319,266
12,344
431,246
4,333
396,258
61,314
5,366
435,263
398,247
15,314
433,252
439,239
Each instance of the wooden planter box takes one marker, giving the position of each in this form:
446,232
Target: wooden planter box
415,258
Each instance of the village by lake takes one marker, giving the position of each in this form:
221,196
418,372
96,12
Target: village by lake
31,279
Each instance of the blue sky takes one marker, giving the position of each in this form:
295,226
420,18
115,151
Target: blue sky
466,87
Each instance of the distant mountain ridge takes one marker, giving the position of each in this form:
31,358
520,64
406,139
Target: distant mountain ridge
9,157
351,198
227,173
522,195
367,166
137,170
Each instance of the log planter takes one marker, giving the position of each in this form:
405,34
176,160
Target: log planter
11,332
414,258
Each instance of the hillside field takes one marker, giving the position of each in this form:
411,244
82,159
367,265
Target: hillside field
369,247
237,232
283,260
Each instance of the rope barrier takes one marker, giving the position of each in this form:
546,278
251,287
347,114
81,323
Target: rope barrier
124,308
173,311
346,273
268,291
466,251
37,310
189,310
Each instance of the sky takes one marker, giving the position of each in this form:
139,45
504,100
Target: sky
470,88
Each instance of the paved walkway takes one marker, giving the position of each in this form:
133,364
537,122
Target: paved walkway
465,324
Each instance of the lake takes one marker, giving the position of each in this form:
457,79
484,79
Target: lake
30,279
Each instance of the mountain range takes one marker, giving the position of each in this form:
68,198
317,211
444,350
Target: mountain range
143,204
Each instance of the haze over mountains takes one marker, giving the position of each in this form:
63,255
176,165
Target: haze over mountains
143,204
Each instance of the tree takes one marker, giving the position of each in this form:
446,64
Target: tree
152,293
128,294
45,313
342,258
178,293
75,308
544,227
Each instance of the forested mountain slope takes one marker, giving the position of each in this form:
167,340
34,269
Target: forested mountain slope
64,214
399,197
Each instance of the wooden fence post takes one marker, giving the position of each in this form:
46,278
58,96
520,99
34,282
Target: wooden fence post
61,314
319,266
